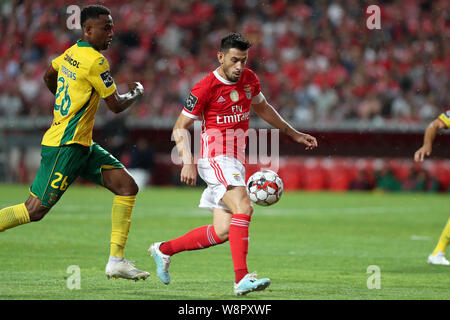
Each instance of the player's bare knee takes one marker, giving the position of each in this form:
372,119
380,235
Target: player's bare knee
130,188
248,210
35,210
244,209
37,214
133,188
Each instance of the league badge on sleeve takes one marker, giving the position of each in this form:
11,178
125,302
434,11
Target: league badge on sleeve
107,79
191,101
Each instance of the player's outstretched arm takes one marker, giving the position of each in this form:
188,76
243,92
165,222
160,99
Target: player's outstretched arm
181,136
120,102
50,79
428,139
272,117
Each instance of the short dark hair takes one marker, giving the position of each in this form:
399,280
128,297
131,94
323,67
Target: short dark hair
234,40
92,12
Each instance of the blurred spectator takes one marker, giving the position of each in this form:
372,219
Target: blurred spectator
369,108
409,184
315,59
386,180
361,182
420,180
425,182
11,104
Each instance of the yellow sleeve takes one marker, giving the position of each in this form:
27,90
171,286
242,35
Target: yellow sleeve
56,63
445,118
100,78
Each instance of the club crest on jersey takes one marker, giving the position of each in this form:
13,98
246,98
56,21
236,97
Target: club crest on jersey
248,92
234,96
52,198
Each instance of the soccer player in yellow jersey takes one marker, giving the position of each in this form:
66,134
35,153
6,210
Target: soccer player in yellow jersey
442,122
79,78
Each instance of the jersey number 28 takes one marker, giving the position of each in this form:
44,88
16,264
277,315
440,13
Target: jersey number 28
64,104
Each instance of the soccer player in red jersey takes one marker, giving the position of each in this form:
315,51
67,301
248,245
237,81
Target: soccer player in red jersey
222,101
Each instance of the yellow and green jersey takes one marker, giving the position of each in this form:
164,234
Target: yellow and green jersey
445,118
83,78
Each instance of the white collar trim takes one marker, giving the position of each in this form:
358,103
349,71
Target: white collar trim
221,79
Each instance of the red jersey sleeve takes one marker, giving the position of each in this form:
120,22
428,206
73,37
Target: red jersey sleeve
197,100
256,85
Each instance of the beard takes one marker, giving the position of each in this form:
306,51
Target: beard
232,76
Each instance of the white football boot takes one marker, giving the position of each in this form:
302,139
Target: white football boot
162,262
438,259
250,283
121,268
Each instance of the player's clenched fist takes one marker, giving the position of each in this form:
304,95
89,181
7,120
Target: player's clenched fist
137,87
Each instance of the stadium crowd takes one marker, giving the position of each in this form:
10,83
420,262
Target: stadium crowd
316,60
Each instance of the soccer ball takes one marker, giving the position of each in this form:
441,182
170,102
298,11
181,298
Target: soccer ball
264,187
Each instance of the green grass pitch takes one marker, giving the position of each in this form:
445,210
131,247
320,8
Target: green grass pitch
311,245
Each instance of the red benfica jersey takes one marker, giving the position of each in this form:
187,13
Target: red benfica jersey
224,109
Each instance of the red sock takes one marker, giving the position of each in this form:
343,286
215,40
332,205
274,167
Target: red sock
238,238
200,238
